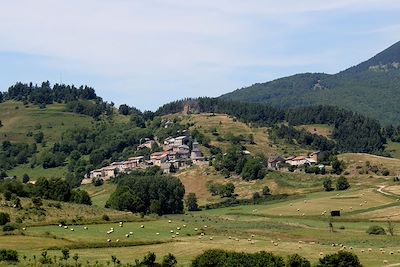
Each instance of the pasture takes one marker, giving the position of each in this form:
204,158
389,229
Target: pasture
19,121
277,227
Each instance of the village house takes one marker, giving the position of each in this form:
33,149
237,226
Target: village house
300,160
196,154
148,144
275,163
158,158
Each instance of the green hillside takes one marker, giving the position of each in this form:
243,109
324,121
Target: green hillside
371,88
20,121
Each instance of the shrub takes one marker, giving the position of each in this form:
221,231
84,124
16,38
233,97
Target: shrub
97,181
7,195
376,230
296,260
25,178
4,218
8,255
105,217
266,191
342,183
256,197
169,260
216,257
342,258
328,185
9,228
191,202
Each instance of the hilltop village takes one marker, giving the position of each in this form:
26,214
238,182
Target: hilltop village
176,155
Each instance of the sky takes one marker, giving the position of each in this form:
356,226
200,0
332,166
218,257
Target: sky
148,53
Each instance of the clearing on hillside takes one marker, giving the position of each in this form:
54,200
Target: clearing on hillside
20,121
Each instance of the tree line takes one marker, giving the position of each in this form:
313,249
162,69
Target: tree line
53,189
352,132
82,99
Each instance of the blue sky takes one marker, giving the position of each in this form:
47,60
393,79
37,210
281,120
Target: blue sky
147,53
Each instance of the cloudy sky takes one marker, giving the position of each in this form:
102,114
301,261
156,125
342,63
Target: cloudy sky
146,53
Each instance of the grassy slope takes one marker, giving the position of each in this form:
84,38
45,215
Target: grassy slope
48,214
99,194
393,149
319,129
355,160
226,125
263,221
52,121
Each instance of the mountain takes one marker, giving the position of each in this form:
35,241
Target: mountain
371,88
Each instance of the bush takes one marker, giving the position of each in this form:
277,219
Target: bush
216,257
25,178
105,217
97,181
376,230
266,191
7,195
328,185
342,258
191,202
297,261
9,228
342,183
169,260
4,218
8,255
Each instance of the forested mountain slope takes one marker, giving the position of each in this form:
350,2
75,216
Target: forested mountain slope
371,88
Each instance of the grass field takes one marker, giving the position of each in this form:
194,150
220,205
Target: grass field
37,172
356,160
18,120
319,129
251,228
393,149
226,125
50,213
100,194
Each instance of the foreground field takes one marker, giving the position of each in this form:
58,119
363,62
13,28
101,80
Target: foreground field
277,227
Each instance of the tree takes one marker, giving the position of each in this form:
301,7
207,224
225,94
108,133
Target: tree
75,258
65,254
342,258
228,190
253,169
8,255
149,260
337,166
328,184
37,202
296,260
25,178
172,168
4,218
124,109
342,183
376,230
191,202
256,197
39,136
16,201
81,197
7,195
169,260
266,191
390,227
